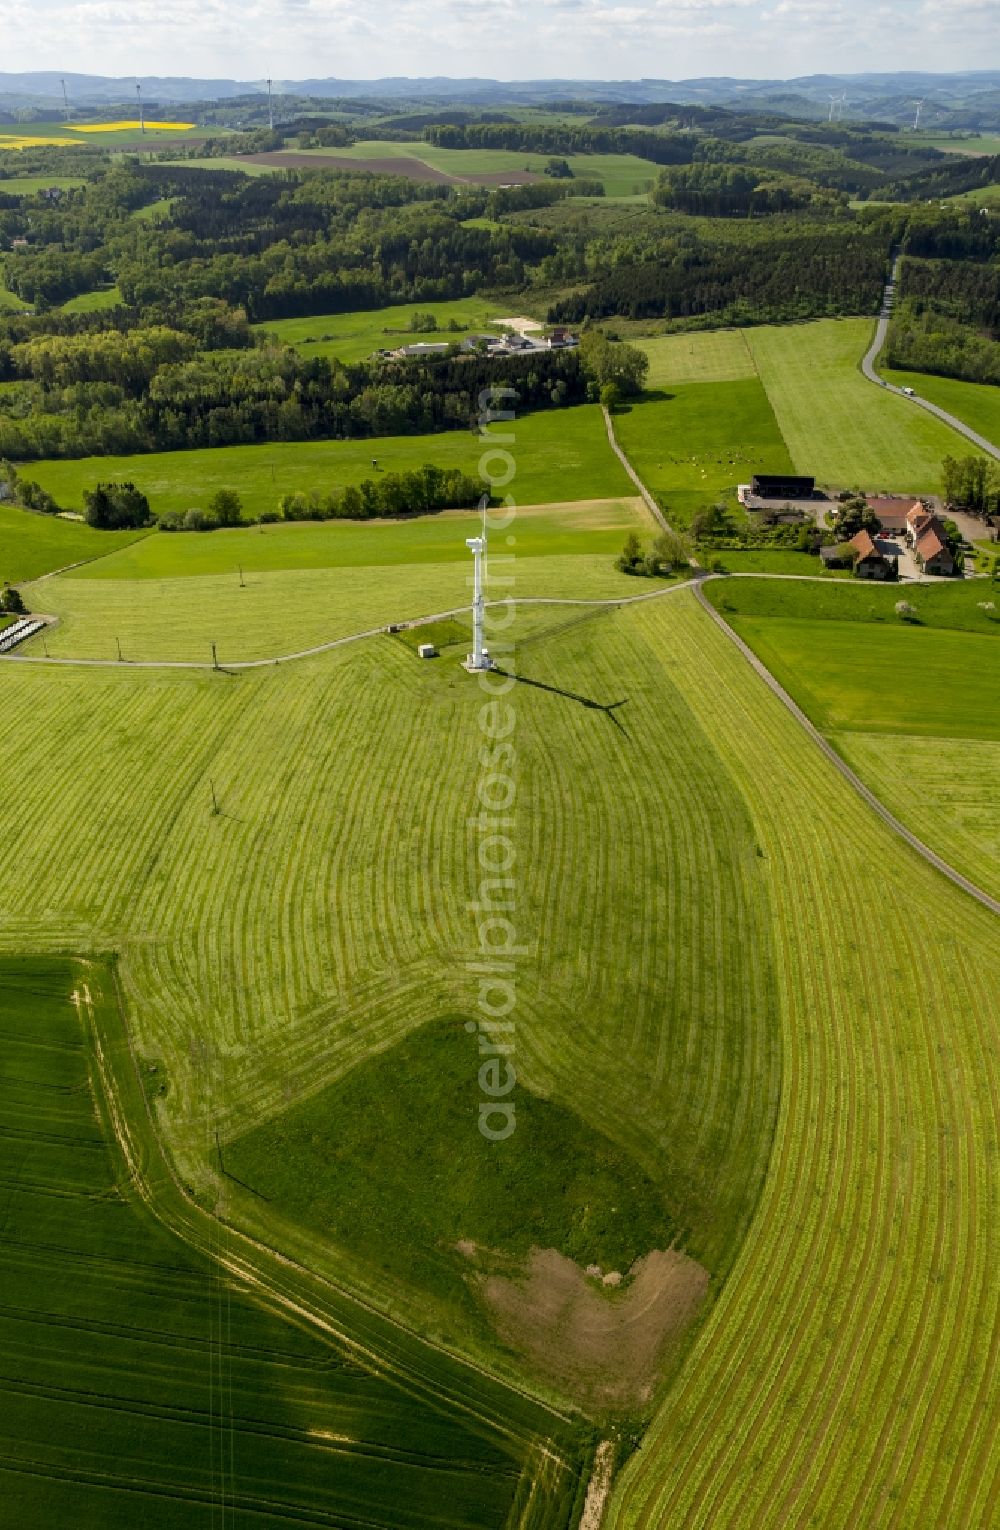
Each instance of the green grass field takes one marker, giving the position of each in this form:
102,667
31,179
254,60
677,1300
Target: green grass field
591,527
977,144
28,185
10,300
32,545
697,442
949,605
770,560
714,355
284,611
142,1384
976,404
559,455
353,336
326,738
839,427
956,786
778,1072
849,675
620,174
89,302
560,1184
904,703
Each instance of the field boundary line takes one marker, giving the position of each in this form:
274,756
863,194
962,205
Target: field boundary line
619,452
850,776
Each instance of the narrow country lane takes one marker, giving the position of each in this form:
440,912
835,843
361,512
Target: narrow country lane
875,350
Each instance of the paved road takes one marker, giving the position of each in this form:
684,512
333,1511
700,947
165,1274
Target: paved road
845,770
875,350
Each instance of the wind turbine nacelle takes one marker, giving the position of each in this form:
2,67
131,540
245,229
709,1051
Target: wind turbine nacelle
476,544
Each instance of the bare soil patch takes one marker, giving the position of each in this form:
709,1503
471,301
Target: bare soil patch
604,1344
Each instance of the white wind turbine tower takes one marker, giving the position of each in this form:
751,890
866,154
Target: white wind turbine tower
138,96
916,119
65,99
833,108
270,110
478,658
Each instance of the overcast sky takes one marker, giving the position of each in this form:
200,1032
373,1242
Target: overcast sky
505,39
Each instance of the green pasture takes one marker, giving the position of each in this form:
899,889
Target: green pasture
693,443
774,1075
32,545
558,1183
592,527
956,799
284,611
770,560
714,355
90,302
891,679
142,1384
558,454
904,703
353,336
10,300
620,174
154,212
950,605
977,144
301,973
839,427
28,185
975,404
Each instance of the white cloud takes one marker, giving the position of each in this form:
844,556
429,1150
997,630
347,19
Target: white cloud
513,39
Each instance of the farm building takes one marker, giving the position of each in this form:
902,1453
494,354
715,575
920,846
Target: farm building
892,511
933,553
782,486
875,560
837,555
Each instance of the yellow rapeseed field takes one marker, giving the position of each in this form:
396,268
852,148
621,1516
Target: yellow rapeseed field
10,141
122,127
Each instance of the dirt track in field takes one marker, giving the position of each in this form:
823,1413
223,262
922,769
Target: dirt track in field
413,169
604,1344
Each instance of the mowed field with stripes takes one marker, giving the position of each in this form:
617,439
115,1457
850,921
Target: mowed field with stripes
697,891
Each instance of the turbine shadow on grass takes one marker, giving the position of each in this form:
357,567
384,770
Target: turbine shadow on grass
609,708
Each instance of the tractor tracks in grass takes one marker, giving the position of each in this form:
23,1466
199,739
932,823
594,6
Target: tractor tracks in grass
377,1341
822,743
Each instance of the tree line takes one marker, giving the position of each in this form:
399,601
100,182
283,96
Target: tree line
272,393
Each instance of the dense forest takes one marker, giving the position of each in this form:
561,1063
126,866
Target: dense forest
948,318
749,221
